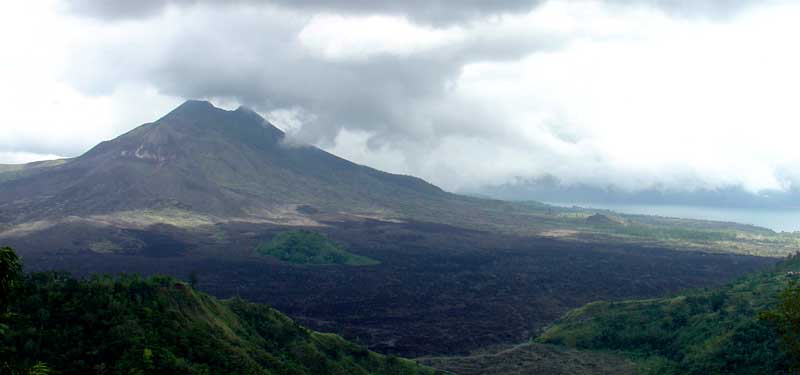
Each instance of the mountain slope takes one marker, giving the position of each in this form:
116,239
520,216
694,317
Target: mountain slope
200,166
710,331
129,325
15,171
210,161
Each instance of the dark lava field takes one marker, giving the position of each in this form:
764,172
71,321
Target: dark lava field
438,289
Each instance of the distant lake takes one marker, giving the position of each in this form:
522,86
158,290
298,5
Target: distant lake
777,220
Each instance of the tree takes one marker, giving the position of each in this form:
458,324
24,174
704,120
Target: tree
10,276
10,280
786,319
193,279
40,368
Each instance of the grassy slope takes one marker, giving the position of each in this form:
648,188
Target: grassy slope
697,332
10,172
130,325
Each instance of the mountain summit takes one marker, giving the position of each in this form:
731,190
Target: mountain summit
206,160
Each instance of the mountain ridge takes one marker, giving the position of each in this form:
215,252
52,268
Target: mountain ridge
206,160
549,188
199,166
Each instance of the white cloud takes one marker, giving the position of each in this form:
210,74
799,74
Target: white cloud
44,116
587,91
687,104
336,37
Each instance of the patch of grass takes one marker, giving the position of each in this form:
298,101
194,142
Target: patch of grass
306,247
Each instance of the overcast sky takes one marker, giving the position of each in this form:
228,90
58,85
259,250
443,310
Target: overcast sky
635,94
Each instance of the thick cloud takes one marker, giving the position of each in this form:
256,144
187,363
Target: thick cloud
640,94
694,8
360,80
427,11
437,12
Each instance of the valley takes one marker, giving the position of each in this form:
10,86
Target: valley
387,261
515,187
437,289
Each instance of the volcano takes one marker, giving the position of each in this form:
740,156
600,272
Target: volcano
205,160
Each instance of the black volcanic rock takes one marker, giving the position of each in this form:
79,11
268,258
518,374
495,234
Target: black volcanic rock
207,160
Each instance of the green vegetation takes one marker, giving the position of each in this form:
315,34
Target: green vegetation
719,331
10,276
306,247
158,325
534,358
786,318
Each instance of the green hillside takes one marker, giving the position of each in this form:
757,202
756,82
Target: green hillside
159,325
716,331
306,247
533,358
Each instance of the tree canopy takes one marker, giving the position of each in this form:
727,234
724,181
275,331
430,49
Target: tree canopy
10,276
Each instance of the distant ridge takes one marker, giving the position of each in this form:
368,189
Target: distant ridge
550,189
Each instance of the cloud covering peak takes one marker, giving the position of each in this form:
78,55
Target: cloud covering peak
631,94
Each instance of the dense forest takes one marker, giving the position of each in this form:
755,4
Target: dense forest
751,326
54,323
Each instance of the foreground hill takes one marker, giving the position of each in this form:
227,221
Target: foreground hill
130,325
709,331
